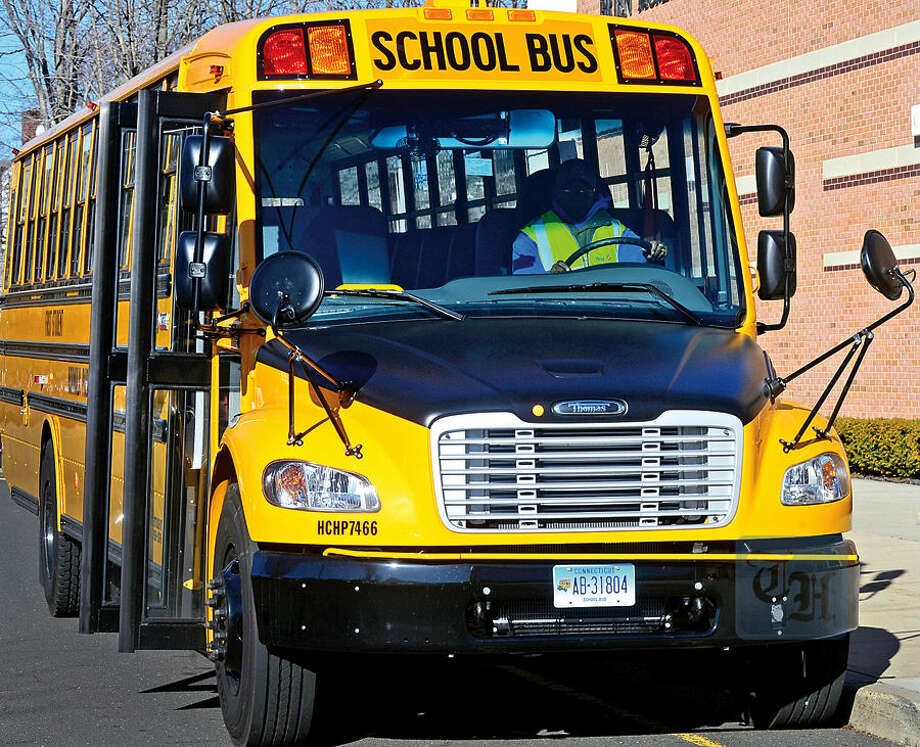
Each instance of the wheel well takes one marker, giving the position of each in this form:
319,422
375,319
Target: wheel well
224,469
46,436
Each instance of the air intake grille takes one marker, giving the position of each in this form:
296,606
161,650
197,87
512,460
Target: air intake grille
497,473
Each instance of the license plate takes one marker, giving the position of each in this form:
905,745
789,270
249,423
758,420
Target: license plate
594,585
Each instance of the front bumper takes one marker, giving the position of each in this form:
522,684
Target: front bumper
767,590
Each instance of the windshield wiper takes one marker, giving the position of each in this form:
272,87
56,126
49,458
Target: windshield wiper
398,296
607,288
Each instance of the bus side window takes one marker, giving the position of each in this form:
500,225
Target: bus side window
172,144
11,225
91,205
447,188
25,175
34,199
372,177
126,213
611,153
66,196
54,223
42,233
81,188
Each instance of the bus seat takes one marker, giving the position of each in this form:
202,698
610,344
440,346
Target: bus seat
461,261
433,255
536,195
634,219
349,242
495,233
404,258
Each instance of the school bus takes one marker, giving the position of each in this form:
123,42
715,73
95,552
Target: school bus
422,331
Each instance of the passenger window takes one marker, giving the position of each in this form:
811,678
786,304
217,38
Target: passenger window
91,208
66,194
79,209
570,141
372,175
447,188
397,192
349,193
126,211
11,231
536,160
34,204
22,232
55,197
166,210
421,194
47,185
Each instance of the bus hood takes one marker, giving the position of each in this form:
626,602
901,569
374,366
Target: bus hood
422,370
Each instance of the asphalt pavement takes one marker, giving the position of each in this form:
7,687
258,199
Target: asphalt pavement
61,688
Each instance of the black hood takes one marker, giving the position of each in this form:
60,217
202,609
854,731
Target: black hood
421,370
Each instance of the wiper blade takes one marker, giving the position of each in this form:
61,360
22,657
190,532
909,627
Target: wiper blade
398,296
607,288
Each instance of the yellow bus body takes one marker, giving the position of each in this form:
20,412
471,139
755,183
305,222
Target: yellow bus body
397,452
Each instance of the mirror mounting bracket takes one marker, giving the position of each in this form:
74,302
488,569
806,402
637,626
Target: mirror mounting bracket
733,129
311,370
859,346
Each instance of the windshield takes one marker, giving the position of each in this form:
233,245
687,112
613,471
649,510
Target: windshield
461,197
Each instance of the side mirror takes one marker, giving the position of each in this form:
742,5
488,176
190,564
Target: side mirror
878,262
216,278
772,254
775,178
220,188
286,289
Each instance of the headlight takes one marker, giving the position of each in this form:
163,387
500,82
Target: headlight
313,487
823,479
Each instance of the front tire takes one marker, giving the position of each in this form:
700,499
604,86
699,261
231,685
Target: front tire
800,686
58,554
265,698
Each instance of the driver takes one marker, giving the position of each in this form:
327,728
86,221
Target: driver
577,217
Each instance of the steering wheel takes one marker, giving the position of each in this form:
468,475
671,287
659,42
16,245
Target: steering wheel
583,250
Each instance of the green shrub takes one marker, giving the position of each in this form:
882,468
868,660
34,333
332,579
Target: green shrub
881,446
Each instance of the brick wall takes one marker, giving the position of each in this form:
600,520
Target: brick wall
847,107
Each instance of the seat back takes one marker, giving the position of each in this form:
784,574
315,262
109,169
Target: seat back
348,242
495,233
634,219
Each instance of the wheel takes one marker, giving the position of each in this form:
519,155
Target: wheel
802,685
58,554
265,698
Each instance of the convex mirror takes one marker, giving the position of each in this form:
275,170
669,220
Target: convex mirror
286,289
878,264
220,188
775,178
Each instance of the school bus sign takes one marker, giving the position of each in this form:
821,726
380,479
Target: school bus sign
569,51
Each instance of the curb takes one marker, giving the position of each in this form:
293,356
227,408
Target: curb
887,711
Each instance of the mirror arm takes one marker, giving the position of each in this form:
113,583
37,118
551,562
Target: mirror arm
861,342
310,369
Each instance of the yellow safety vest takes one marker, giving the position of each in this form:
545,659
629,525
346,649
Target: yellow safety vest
556,241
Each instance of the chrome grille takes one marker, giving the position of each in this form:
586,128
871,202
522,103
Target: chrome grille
494,472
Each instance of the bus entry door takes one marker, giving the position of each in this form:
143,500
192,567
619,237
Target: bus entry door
168,381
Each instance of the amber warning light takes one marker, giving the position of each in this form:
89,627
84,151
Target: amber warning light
311,51
653,57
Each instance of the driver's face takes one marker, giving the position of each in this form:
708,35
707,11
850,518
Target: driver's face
574,199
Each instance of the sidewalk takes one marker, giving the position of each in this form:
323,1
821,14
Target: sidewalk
884,670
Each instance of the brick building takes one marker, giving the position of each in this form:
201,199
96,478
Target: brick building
842,78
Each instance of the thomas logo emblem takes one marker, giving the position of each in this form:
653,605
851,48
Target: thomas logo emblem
591,407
